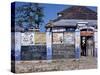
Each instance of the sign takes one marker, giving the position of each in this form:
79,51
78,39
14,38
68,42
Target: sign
69,37
27,38
40,38
57,38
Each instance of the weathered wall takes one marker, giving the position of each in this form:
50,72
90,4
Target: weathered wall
63,37
38,51
63,45
57,38
63,51
40,38
35,52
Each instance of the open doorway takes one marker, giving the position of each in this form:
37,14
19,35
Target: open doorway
87,46
83,46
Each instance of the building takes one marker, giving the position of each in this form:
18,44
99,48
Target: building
73,33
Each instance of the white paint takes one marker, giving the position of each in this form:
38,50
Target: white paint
87,28
69,38
17,45
58,30
95,43
49,45
77,43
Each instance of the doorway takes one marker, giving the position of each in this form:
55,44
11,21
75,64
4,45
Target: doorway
83,46
87,46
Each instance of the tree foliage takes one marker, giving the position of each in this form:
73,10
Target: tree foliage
29,16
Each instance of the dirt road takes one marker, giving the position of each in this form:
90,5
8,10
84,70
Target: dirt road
56,65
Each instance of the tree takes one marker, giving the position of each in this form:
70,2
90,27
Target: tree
29,15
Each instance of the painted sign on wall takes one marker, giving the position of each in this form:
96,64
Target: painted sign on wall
27,38
69,37
57,38
40,38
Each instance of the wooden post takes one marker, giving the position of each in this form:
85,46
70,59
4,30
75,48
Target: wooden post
49,45
77,44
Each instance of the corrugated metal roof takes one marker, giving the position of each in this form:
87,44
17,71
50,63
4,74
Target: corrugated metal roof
73,15
67,22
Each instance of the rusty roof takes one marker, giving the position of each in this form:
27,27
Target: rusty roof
77,12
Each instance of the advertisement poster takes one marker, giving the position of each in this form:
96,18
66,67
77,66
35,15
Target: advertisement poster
69,38
27,38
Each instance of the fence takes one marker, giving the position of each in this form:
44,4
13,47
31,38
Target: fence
45,45
40,46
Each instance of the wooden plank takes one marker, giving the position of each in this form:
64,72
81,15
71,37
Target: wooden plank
87,33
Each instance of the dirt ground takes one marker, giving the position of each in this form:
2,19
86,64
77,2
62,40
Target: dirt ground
56,65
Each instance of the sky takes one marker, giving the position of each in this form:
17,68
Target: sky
50,11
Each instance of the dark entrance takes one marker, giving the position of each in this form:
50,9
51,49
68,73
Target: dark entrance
87,46
87,42
83,45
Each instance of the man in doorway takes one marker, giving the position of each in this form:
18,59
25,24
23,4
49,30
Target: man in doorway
83,48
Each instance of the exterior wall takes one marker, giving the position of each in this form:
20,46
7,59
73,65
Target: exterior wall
63,51
63,45
57,37
35,52
38,50
15,45
39,47
40,38
25,48
69,38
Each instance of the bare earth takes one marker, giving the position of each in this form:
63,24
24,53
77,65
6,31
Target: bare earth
56,65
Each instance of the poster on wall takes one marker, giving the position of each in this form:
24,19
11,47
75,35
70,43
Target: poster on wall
69,38
27,38
57,38
40,38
